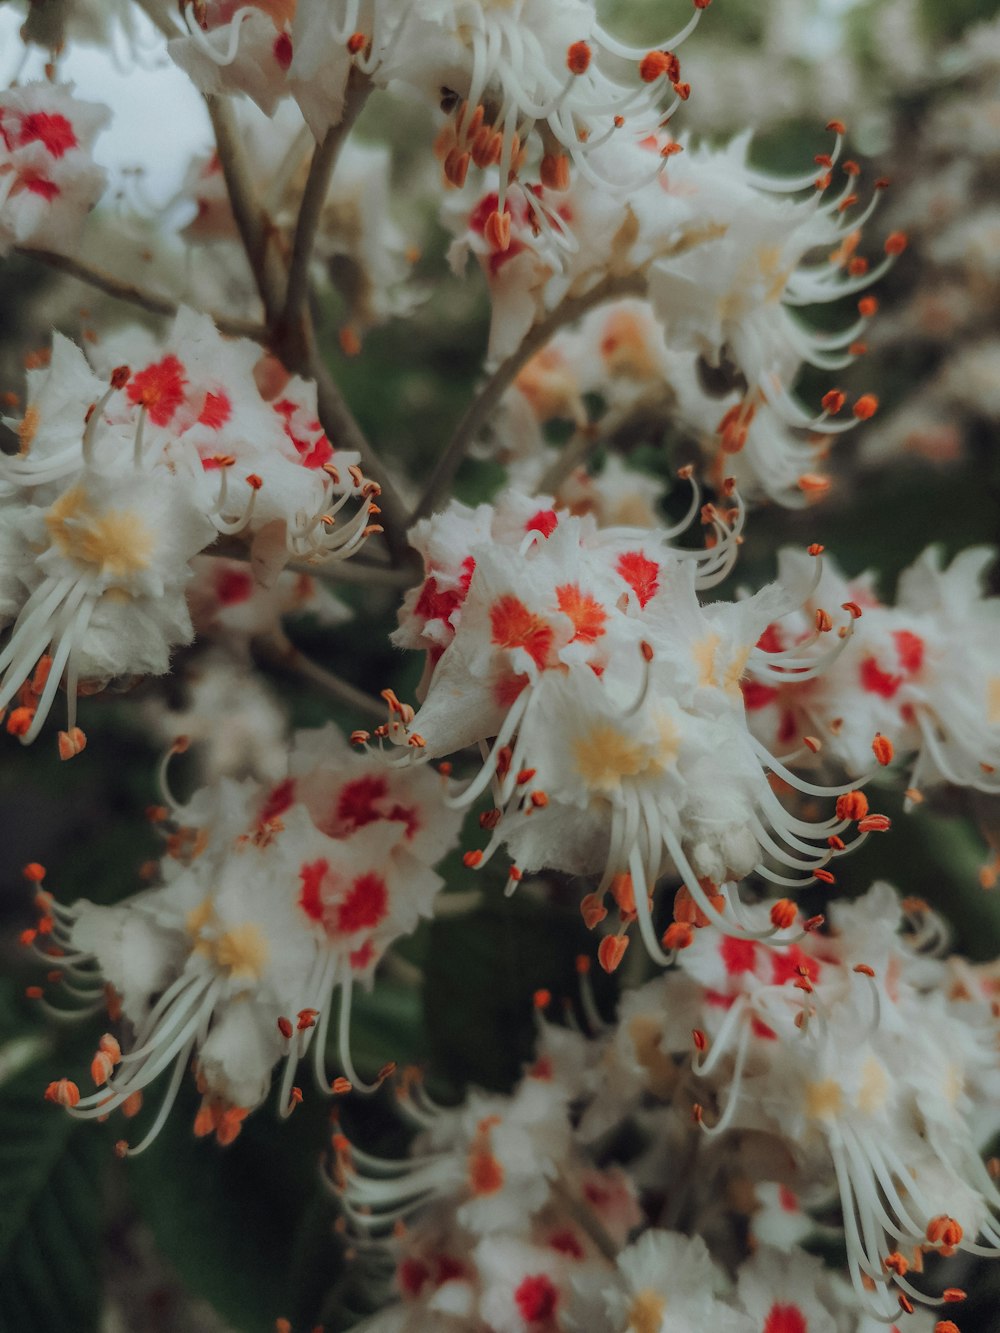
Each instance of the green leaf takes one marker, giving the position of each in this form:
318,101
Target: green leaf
51,1222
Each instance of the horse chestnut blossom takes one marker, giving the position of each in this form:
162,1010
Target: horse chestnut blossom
609,695
923,674
273,897
120,482
49,181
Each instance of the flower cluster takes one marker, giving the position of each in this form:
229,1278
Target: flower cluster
272,898
848,1066
123,478
49,181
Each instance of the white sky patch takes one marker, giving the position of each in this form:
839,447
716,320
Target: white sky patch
159,120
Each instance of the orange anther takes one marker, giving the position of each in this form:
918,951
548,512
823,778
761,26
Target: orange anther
340,1085
582,964
678,935
554,172
864,970
683,91
946,1326
655,64
254,481
611,951
356,42
865,407
813,923
825,876
472,859
815,549
944,1231
783,913
34,872
578,57
867,306
896,1263
71,743
539,799
905,1304
952,1295
852,608
525,775
852,805
542,998
882,749
132,1105
63,1091
833,400
896,242
592,910
489,819
34,992
497,230
101,1068
836,127
285,1027
875,824
699,1039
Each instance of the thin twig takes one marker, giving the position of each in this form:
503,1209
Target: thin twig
254,226
575,451
614,286
314,195
134,295
280,649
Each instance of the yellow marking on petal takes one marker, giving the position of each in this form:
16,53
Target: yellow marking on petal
198,918
117,543
824,1100
703,653
874,1089
645,1314
243,952
603,756
993,700
734,672
27,429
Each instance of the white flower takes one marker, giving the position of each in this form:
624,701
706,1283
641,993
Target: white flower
48,179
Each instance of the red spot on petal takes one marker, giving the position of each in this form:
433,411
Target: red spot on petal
233,586
587,614
785,1319
642,575
545,521
536,1298
283,49
40,186
356,802
216,411
278,801
738,956
514,626
159,389
312,875
51,130
366,904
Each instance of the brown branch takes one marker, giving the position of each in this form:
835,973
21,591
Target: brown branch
280,650
321,169
132,294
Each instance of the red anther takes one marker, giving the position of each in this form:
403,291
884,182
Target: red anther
699,1039
783,913
657,63
852,805
702,4
864,970
539,799
813,483
822,182
497,231
882,749
867,306
882,183
852,609
34,992
865,407
697,1113
592,910
875,824
858,266
63,1091
19,721
121,1148
554,172
101,1068
905,1304
823,160
824,623
611,951
851,168
386,1071
847,203
515,874
837,843
285,1027
686,472
542,998
489,819
109,1045
646,649
683,91
836,127
815,549
456,168
445,769
952,1295
296,1096
896,242
504,757
825,876
120,377
833,400
946,1326
619,122
472,859
678,935
33,872
360,737
525,775
415,741
803,984
896,1263
813,923
340,1085
28,937
582,964
254,481
578,57
306,1019
671,149
356,42
180,745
